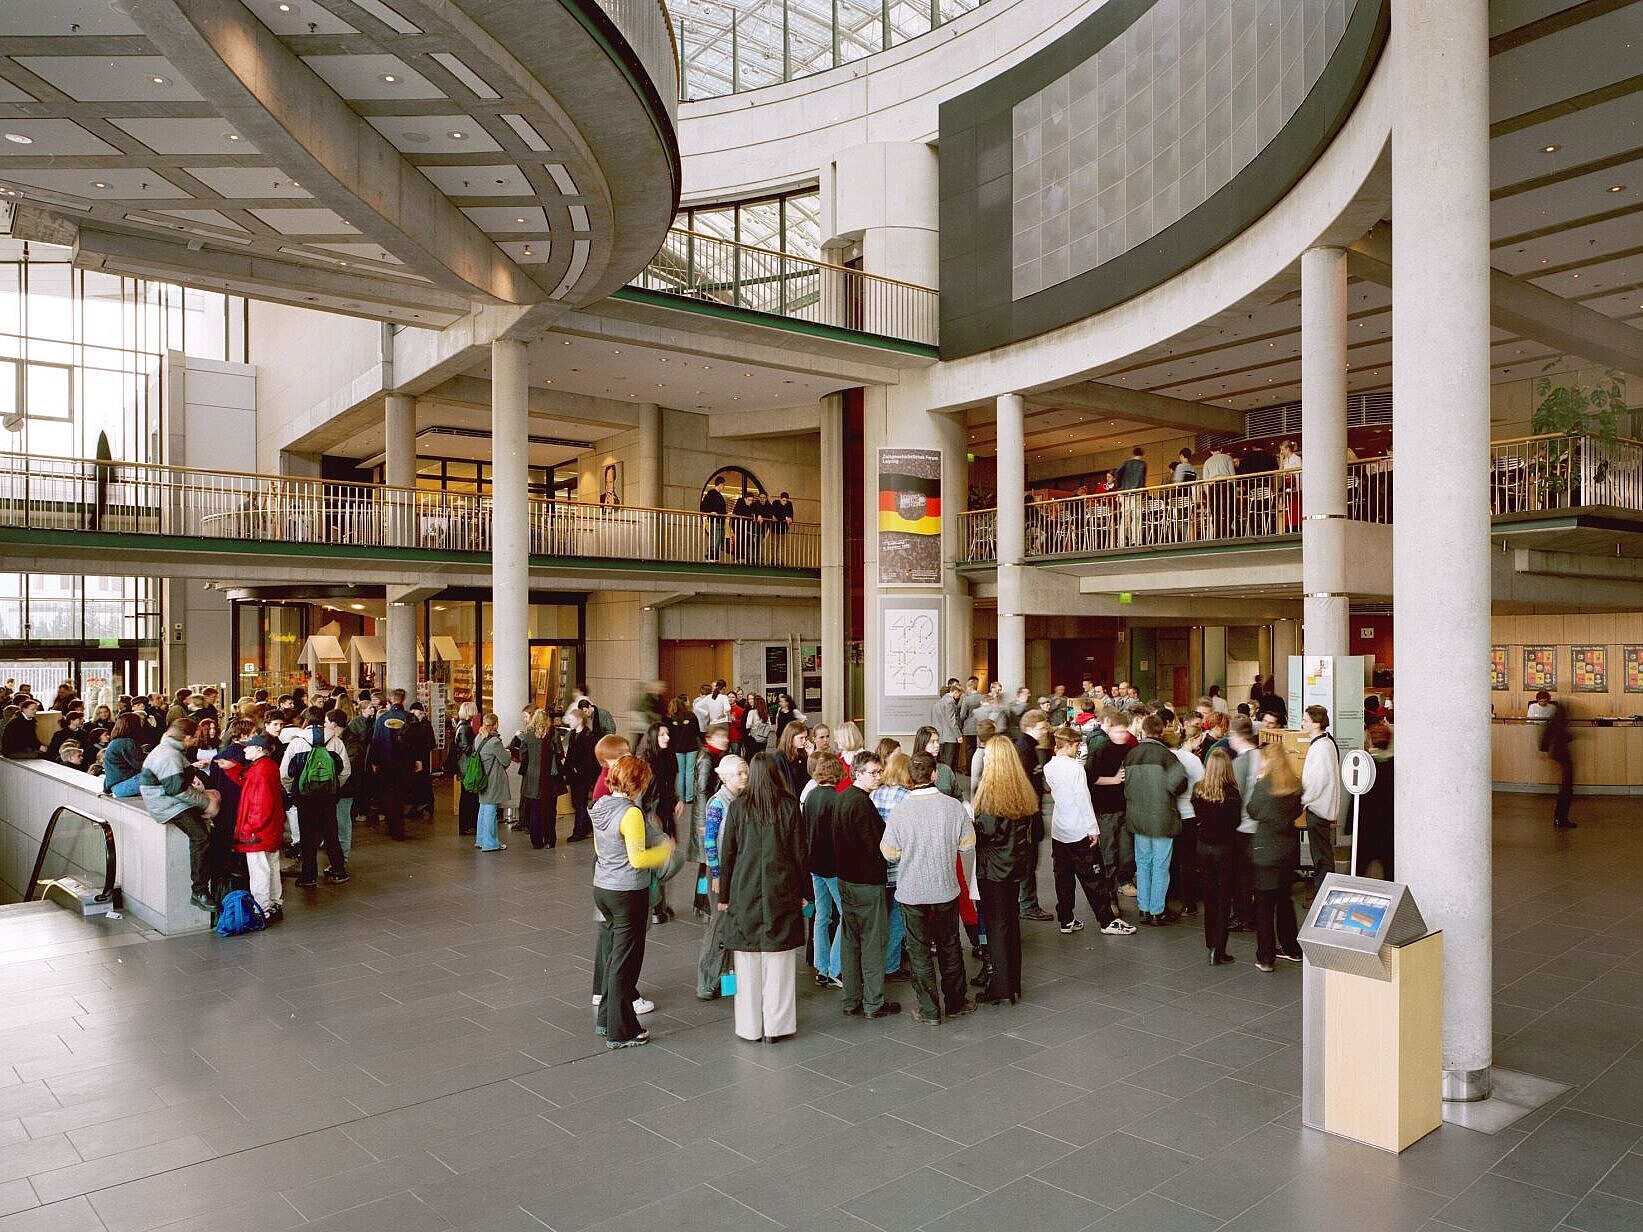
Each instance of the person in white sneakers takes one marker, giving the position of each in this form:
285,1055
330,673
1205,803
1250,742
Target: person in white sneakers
1075,840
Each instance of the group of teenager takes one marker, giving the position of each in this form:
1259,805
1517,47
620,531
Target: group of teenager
879,863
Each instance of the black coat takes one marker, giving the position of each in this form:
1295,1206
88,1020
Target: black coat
764,877
581,766
1275,849
1003,846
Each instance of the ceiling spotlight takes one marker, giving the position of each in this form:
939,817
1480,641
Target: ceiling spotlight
99,183
160,81
284,8
1550,149
19,139
519,220
1617,188
232,136
456,134
527,250
389,78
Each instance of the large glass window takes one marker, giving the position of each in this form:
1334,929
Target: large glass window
727,46
81,352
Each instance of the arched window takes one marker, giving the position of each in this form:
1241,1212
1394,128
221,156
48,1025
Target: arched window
738,481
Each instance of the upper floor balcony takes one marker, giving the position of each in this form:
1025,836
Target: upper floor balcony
703,273
1540,475
152,513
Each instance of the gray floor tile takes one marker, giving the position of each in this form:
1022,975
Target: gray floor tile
1090,1116
1218,1114
61,1183
1151,1213
73,1215
1601,1212
913,1200
1026,1203
1616,1092
400,1213
1115,1170
996,1161
1499,1204
1570,1153
1178,1076
1625,1179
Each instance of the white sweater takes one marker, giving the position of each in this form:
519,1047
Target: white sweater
1073,820
1321,777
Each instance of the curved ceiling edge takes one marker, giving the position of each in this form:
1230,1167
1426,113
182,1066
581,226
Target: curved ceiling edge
986,237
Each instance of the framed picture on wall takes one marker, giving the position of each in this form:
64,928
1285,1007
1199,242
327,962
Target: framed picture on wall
1540,667
1497,668
1590,668
1632,657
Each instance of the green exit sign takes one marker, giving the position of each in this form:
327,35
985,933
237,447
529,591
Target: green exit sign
1125,596
108,643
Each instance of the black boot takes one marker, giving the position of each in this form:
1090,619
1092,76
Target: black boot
982,978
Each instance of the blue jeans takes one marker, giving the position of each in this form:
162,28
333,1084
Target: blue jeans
829,924
1152,873
345,823
684,782
127,788
487,828
893,935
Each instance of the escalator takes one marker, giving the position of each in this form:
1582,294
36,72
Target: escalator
72,899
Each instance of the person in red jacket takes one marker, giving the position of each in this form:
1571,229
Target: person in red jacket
260,826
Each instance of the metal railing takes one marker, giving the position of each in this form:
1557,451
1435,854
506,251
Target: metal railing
706,268
1532,474
79,494
648,28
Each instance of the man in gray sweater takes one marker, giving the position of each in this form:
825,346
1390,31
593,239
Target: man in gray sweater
925,833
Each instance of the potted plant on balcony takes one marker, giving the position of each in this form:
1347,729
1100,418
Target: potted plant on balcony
1576,417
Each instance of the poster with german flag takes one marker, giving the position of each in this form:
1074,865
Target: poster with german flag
909,517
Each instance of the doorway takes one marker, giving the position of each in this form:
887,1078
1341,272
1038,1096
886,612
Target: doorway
554,668
686,664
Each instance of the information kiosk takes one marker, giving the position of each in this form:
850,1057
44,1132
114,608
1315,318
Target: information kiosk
1372,1015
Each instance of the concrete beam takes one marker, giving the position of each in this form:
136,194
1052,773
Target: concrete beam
1572,565
1147,407
1525,309
794,421
291,114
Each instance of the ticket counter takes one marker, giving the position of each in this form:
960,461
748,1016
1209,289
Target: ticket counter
1608,757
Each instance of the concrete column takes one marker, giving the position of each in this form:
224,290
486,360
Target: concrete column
510,527
399,432
833,596
1439,53
401,645
1285,642
647,487
1323,451
1012,541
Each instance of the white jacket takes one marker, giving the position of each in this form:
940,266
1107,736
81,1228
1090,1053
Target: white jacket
1321,777
302,741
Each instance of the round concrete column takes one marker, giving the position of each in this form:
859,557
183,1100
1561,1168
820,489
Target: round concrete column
399,432
1323,451
1440,390
648,465
401,643
834,709
1012,541
510,528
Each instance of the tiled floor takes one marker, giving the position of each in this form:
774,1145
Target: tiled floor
415,1052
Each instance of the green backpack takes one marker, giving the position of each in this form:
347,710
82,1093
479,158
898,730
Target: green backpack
318,775
474,778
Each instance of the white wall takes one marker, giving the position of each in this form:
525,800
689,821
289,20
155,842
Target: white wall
312,366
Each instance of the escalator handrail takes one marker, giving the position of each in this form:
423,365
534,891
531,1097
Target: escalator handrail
107,893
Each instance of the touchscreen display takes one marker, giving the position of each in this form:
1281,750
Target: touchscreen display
1353,911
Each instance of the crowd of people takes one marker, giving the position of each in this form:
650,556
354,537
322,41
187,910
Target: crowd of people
880,864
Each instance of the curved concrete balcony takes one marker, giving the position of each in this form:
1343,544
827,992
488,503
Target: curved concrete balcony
1529,478
403,159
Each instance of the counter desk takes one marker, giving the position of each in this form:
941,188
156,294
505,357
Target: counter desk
1608,757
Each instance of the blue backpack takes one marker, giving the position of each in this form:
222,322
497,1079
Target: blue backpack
238,913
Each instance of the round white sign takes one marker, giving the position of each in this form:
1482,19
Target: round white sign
1357,772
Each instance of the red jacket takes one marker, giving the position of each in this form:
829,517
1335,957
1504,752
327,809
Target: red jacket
260,825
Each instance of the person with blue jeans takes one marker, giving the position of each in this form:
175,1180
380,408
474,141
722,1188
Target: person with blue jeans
493,755
1153,782
821,800
894,787
123,758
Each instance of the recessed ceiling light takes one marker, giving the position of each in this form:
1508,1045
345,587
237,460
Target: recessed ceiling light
519,220
389,78
99,183
567,341
232,136
160,81
614,351
19,139
284,8
1550,149
358,607
456,134
527,250
1617,188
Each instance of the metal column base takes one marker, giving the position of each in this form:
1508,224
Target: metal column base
1512,1096
1465,1086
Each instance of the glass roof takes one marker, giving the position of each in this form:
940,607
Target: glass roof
728,46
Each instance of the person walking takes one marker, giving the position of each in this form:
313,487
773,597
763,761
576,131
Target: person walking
626,849
497,792
1218,807
731,772
924,836
1555,738
763,883
1006,804
1274,802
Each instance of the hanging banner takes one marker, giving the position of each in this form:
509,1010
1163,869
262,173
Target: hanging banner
1540,667
1590,668
909,676
1497,668
909,517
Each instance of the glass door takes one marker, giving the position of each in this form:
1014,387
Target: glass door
553,675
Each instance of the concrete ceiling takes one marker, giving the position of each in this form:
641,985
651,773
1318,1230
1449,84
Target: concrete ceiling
402,162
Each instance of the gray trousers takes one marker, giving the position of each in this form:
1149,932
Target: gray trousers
714,960
861,951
